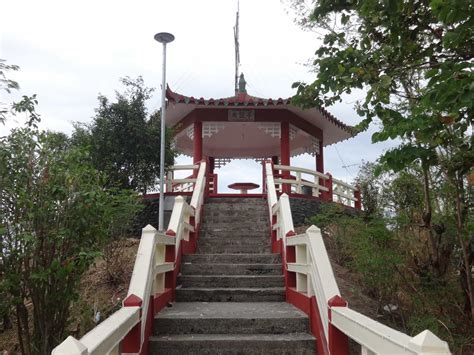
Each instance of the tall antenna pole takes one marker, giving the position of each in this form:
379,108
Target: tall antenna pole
236,46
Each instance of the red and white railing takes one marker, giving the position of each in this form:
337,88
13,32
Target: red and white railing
312,287
174,184
294,180
152,284
345,194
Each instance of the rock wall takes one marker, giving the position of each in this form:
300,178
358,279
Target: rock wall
302,208
149,214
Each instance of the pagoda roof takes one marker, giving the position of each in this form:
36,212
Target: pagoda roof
245,126
243,100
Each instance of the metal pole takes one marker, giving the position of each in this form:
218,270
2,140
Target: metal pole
162,145
164,38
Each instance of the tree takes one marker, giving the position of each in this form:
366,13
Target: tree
124,141
413,60
55,216
6,85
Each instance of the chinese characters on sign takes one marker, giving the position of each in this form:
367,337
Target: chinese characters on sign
241,115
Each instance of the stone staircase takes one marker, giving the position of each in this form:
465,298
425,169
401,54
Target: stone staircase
231,296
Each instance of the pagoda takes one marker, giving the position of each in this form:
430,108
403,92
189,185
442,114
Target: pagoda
249,127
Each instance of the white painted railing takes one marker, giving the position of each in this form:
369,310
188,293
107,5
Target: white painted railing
315,277
297,183
284,220
272,198
197,199
174,184
323,186
344,193
148,280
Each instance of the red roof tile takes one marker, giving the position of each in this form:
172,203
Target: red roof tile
243,99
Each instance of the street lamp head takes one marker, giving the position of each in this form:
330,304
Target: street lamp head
164,37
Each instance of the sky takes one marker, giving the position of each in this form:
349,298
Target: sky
69,52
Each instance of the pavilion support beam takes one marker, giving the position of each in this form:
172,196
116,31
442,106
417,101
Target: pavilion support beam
275,162
197,147
320,158
285,153
212,165
197,151
320,168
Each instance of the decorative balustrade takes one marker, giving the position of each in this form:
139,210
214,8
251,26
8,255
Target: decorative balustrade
152,284
323,186
213,183
345,194
312,287
317,186
174,184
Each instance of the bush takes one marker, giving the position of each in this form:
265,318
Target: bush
364,245
55,217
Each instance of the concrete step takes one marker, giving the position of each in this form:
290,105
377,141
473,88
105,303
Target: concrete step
236,233
224,240
269,294
235,200
212,248
232,214
256,213
251,210
238,281
230,269
233,344
247,226
232,258
238,217
231,318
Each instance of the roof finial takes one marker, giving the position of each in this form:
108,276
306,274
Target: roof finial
242,84
236,46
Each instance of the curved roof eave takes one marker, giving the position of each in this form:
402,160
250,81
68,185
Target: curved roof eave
336,130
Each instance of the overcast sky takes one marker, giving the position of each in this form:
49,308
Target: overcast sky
69,52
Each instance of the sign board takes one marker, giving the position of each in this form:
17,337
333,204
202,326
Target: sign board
241,115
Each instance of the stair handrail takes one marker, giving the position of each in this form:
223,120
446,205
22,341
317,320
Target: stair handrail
197,198
322,283
272,198
315,278
126,327
180,185
127,330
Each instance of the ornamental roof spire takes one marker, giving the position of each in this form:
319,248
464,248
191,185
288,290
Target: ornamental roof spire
242,84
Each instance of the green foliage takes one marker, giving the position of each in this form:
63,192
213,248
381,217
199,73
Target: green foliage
6,85
55,216
124,141
414,61
398,257
364,245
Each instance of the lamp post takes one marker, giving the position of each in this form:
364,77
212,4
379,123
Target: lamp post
164,38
